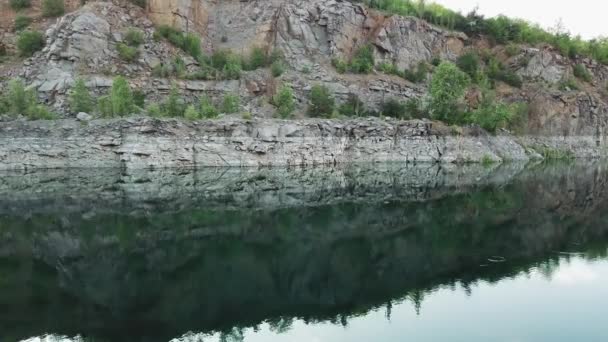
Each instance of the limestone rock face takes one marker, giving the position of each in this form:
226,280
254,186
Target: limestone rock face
545,66
147,143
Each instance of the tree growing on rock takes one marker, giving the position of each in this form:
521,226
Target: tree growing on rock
80,98
119,102
322,103
447,88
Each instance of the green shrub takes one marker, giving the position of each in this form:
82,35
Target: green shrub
284,102
20,101
29,42
140,3
21,23
162,70
568,84
363,60
418,75
18,98
120,100
340,65
394,108
207,108
513,50
80,98
247,116
469,63
277,68
257,58
154,110
192,113
581,72
174,106
189,43
321,102
510,78
127,53
230,104
20,4
353,107
139,98
388,68
447,88
134,37
436,61
53,8
415,109
179,67
276,56
232,68
39,112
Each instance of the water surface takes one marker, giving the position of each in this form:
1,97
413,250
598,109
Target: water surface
358,253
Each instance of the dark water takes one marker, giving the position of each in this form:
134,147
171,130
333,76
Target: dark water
360,253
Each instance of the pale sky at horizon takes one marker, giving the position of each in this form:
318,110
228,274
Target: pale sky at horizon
585,17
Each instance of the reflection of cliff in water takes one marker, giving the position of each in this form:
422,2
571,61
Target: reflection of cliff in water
161,253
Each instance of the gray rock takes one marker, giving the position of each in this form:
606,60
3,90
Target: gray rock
83,117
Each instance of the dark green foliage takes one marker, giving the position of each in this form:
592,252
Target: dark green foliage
417,75
188,42
207,108
230,104
20,4
29,42
415,109
512,49
134,37
284,102
127,53
496,71
340,65
140,3
277,68
21,23
174,106
581,72
436,61
363,60
569,84
394,108
257,59
80,98
20,101
353,107
447,89
139,98
321,102
469,63
53,8
120,100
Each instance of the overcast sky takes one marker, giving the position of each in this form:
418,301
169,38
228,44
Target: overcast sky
584,17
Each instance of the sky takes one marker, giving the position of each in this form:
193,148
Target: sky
584,17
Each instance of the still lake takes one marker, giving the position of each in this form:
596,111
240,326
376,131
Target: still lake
383,252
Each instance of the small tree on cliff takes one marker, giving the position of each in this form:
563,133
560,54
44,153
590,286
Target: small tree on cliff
447,88
80,98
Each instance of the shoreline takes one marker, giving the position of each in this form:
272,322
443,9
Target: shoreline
149,143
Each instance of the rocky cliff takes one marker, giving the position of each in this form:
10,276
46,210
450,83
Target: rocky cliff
309,34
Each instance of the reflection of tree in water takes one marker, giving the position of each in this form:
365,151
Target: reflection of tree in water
318,263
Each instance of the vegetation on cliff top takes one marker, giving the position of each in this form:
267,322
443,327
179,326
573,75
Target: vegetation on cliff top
500,29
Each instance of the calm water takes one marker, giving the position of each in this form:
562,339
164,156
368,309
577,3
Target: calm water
359,253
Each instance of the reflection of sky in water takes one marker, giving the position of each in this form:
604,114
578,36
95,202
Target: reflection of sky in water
569,303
